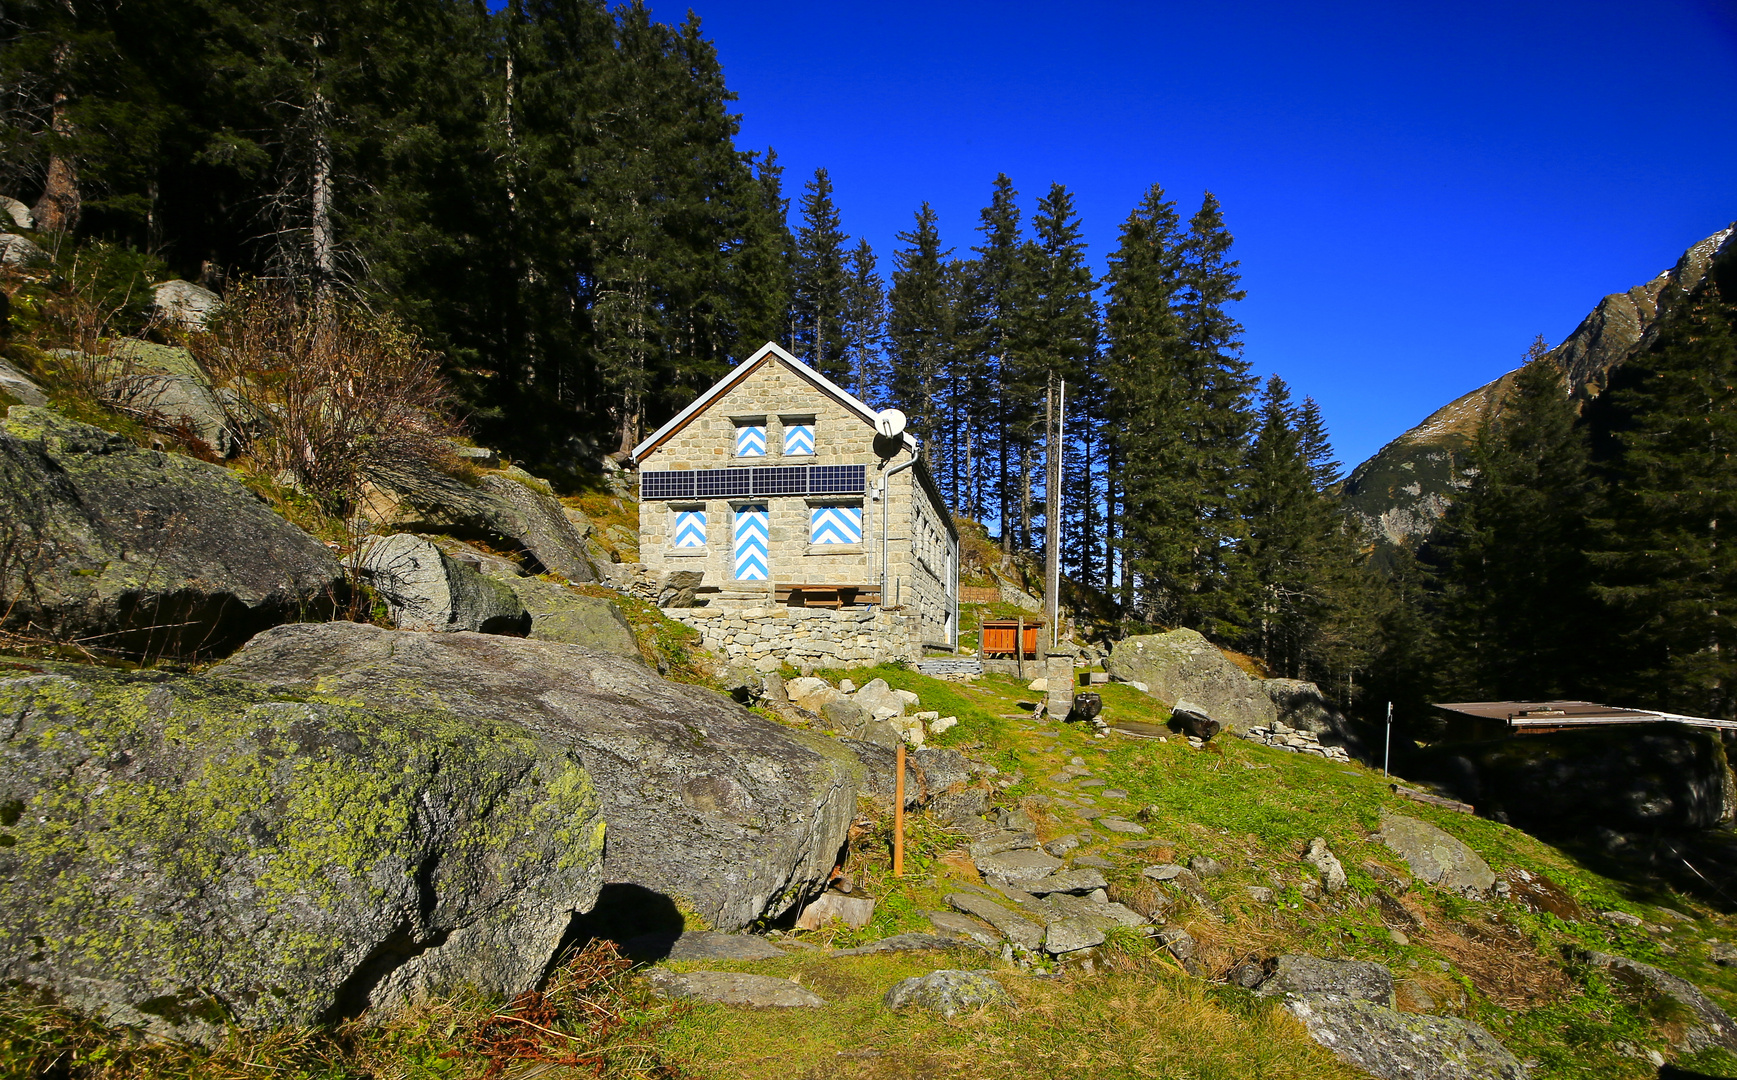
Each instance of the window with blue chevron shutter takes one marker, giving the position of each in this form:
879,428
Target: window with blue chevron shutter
798,440
750,440
835,525
690,528
751,536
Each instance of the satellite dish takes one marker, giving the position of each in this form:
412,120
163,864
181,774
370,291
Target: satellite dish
890,423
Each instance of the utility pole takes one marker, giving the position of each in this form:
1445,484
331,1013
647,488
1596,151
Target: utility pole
1054,414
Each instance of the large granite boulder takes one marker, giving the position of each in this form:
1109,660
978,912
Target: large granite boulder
707,802
1436,857
1183,665
20,387
425,589
559,613
19,253
507,506
1359,979
1392,1045
1708,1027
1661,776
166,382
143,553
181,852
185,304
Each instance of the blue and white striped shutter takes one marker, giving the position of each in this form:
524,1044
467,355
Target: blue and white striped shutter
752,534
751,440
798,440
835,525
690,529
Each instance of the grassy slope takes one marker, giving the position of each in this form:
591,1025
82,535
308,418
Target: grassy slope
1254,809
1137,1014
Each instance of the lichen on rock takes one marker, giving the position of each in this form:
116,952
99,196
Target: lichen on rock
185,852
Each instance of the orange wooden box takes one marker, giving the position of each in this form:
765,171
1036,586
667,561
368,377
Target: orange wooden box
999,635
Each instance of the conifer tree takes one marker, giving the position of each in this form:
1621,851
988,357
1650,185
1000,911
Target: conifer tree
1054,330
764,265
1217,418
919,324
1007,411
821,281
1148,397
1515,607
865,323
1665,565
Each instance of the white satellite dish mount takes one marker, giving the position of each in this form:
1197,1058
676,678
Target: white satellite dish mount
890,423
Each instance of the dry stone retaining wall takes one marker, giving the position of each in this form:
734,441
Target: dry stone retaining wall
822,637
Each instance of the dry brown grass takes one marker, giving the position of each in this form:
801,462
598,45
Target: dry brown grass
1503,965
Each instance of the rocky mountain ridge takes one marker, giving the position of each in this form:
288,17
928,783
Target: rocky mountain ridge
1398,495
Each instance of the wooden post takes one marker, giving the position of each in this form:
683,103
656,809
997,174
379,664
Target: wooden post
1019,648
899,813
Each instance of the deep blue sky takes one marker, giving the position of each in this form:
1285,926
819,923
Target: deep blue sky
1416,190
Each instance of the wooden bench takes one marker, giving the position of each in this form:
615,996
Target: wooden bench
831,596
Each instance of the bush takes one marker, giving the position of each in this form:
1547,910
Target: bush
324,389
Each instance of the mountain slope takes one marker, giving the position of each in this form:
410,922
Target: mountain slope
1399,494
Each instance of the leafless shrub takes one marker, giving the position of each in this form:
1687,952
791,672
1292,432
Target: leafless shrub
324,389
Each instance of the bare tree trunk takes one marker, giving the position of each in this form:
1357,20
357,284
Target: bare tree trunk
58,209
325,263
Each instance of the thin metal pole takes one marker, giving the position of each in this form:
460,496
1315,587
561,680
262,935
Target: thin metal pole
1387,754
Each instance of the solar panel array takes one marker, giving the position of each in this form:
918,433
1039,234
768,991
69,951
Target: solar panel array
728,483
837,479
722,483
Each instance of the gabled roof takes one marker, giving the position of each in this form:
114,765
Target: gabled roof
767,353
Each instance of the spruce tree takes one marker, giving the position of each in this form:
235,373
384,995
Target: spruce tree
1054,334
1148,396
1666,569
1006,409
1217,417
764,264
1515,608
919,324
821,281
865,323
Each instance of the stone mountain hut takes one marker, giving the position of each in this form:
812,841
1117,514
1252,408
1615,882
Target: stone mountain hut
771,485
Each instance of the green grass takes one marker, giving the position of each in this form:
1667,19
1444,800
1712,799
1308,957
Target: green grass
1141,1018
1252,808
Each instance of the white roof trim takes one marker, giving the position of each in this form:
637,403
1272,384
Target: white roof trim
740,372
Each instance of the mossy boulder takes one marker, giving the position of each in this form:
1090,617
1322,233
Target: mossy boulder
426,589
708,804
510,508
143,553
561,614
182,852
1183,666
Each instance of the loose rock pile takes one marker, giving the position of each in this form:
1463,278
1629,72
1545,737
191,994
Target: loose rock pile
1284,737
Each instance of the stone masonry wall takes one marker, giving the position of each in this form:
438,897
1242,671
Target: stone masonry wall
818,637
918,545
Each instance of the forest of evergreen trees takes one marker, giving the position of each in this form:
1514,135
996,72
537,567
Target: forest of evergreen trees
552,195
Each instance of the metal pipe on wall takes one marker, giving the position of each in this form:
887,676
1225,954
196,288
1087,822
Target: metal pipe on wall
885,514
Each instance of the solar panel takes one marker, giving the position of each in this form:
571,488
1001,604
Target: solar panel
837,479
785,481
721,483
667,485
730,483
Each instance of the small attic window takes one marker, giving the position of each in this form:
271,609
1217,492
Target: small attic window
751,440
799,437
